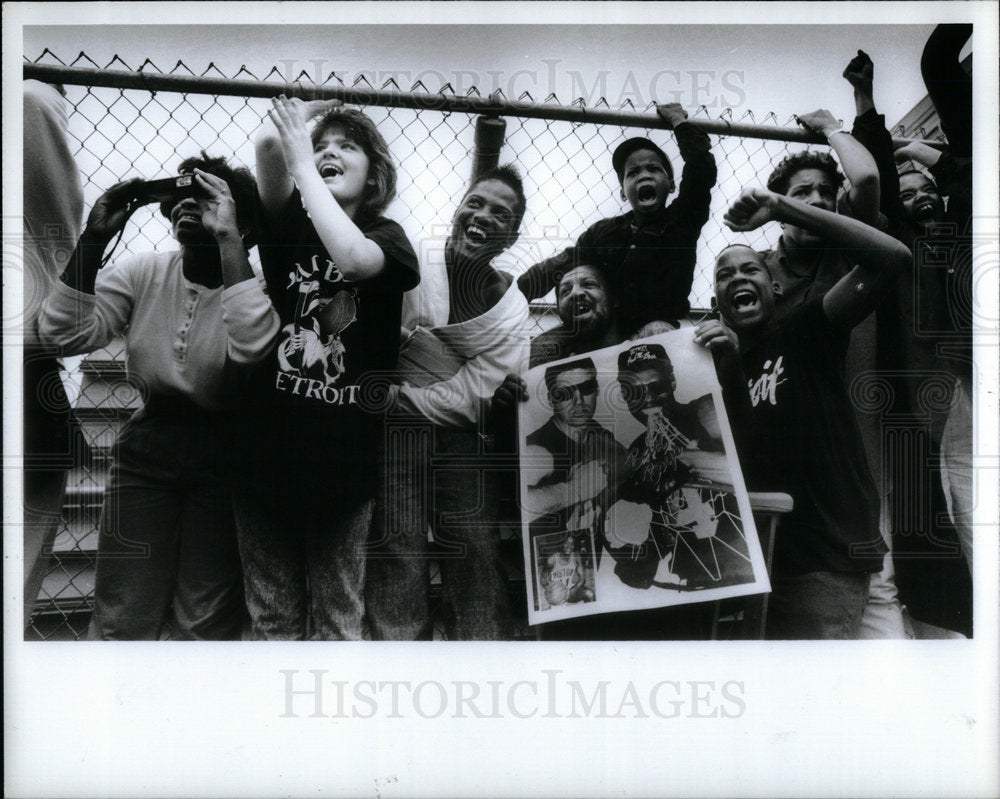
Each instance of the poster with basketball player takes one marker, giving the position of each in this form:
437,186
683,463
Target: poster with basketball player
631,491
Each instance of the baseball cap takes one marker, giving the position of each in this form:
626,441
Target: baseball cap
629,146
635,358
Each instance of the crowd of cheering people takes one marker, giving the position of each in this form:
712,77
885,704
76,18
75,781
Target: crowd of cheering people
302,431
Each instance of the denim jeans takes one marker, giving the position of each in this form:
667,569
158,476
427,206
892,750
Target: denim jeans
817,605
956,466
167,561
439,476
883,615
303,561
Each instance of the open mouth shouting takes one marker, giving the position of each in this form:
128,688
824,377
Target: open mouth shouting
646,193
582,308
476,235
330,170
743,299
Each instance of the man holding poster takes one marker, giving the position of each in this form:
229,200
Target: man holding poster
806,440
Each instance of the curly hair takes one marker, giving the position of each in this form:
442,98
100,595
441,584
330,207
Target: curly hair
508,175
359,128
807,159
242,184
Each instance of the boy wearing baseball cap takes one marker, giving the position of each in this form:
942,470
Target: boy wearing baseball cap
650,249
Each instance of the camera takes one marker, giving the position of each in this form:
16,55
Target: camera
166,191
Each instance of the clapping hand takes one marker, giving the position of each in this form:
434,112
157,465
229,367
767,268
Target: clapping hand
288,117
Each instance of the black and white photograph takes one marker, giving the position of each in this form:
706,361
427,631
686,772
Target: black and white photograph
563,568
636,447
391,387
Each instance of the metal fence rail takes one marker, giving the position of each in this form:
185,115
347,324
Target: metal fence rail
128,122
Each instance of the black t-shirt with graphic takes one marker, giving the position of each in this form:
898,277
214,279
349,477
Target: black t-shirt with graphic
807,444
315,402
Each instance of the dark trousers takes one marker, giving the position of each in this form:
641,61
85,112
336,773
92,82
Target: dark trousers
817,605
439,476
167,564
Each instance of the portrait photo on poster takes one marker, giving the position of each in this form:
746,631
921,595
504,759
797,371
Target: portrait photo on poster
632,495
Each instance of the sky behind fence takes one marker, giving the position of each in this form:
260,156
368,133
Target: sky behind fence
569,181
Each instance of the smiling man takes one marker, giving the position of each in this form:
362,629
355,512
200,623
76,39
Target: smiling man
465,327
588,309
806,440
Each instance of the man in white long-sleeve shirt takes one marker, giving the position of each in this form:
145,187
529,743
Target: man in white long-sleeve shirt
167,563
466,326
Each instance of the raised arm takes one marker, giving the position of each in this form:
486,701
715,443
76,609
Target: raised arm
856,161
541,278
919,153
870,130
274,183
107,218
880,257
218,215
949,85
698,176
356,256
53,196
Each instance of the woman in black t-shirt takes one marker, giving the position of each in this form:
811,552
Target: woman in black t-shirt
336,271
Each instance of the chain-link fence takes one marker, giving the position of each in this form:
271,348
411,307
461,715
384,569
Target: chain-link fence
117,133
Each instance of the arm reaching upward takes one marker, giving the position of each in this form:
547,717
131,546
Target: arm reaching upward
273,180
879,256
860,73
869,129
356,256
858,165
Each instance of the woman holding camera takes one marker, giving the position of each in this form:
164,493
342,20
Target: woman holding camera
168,565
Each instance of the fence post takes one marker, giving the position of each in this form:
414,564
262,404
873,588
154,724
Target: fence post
490,132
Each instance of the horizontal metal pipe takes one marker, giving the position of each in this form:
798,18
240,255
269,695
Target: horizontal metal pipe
490,106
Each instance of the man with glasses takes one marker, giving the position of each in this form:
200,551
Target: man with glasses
584,454
577,456
672,527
